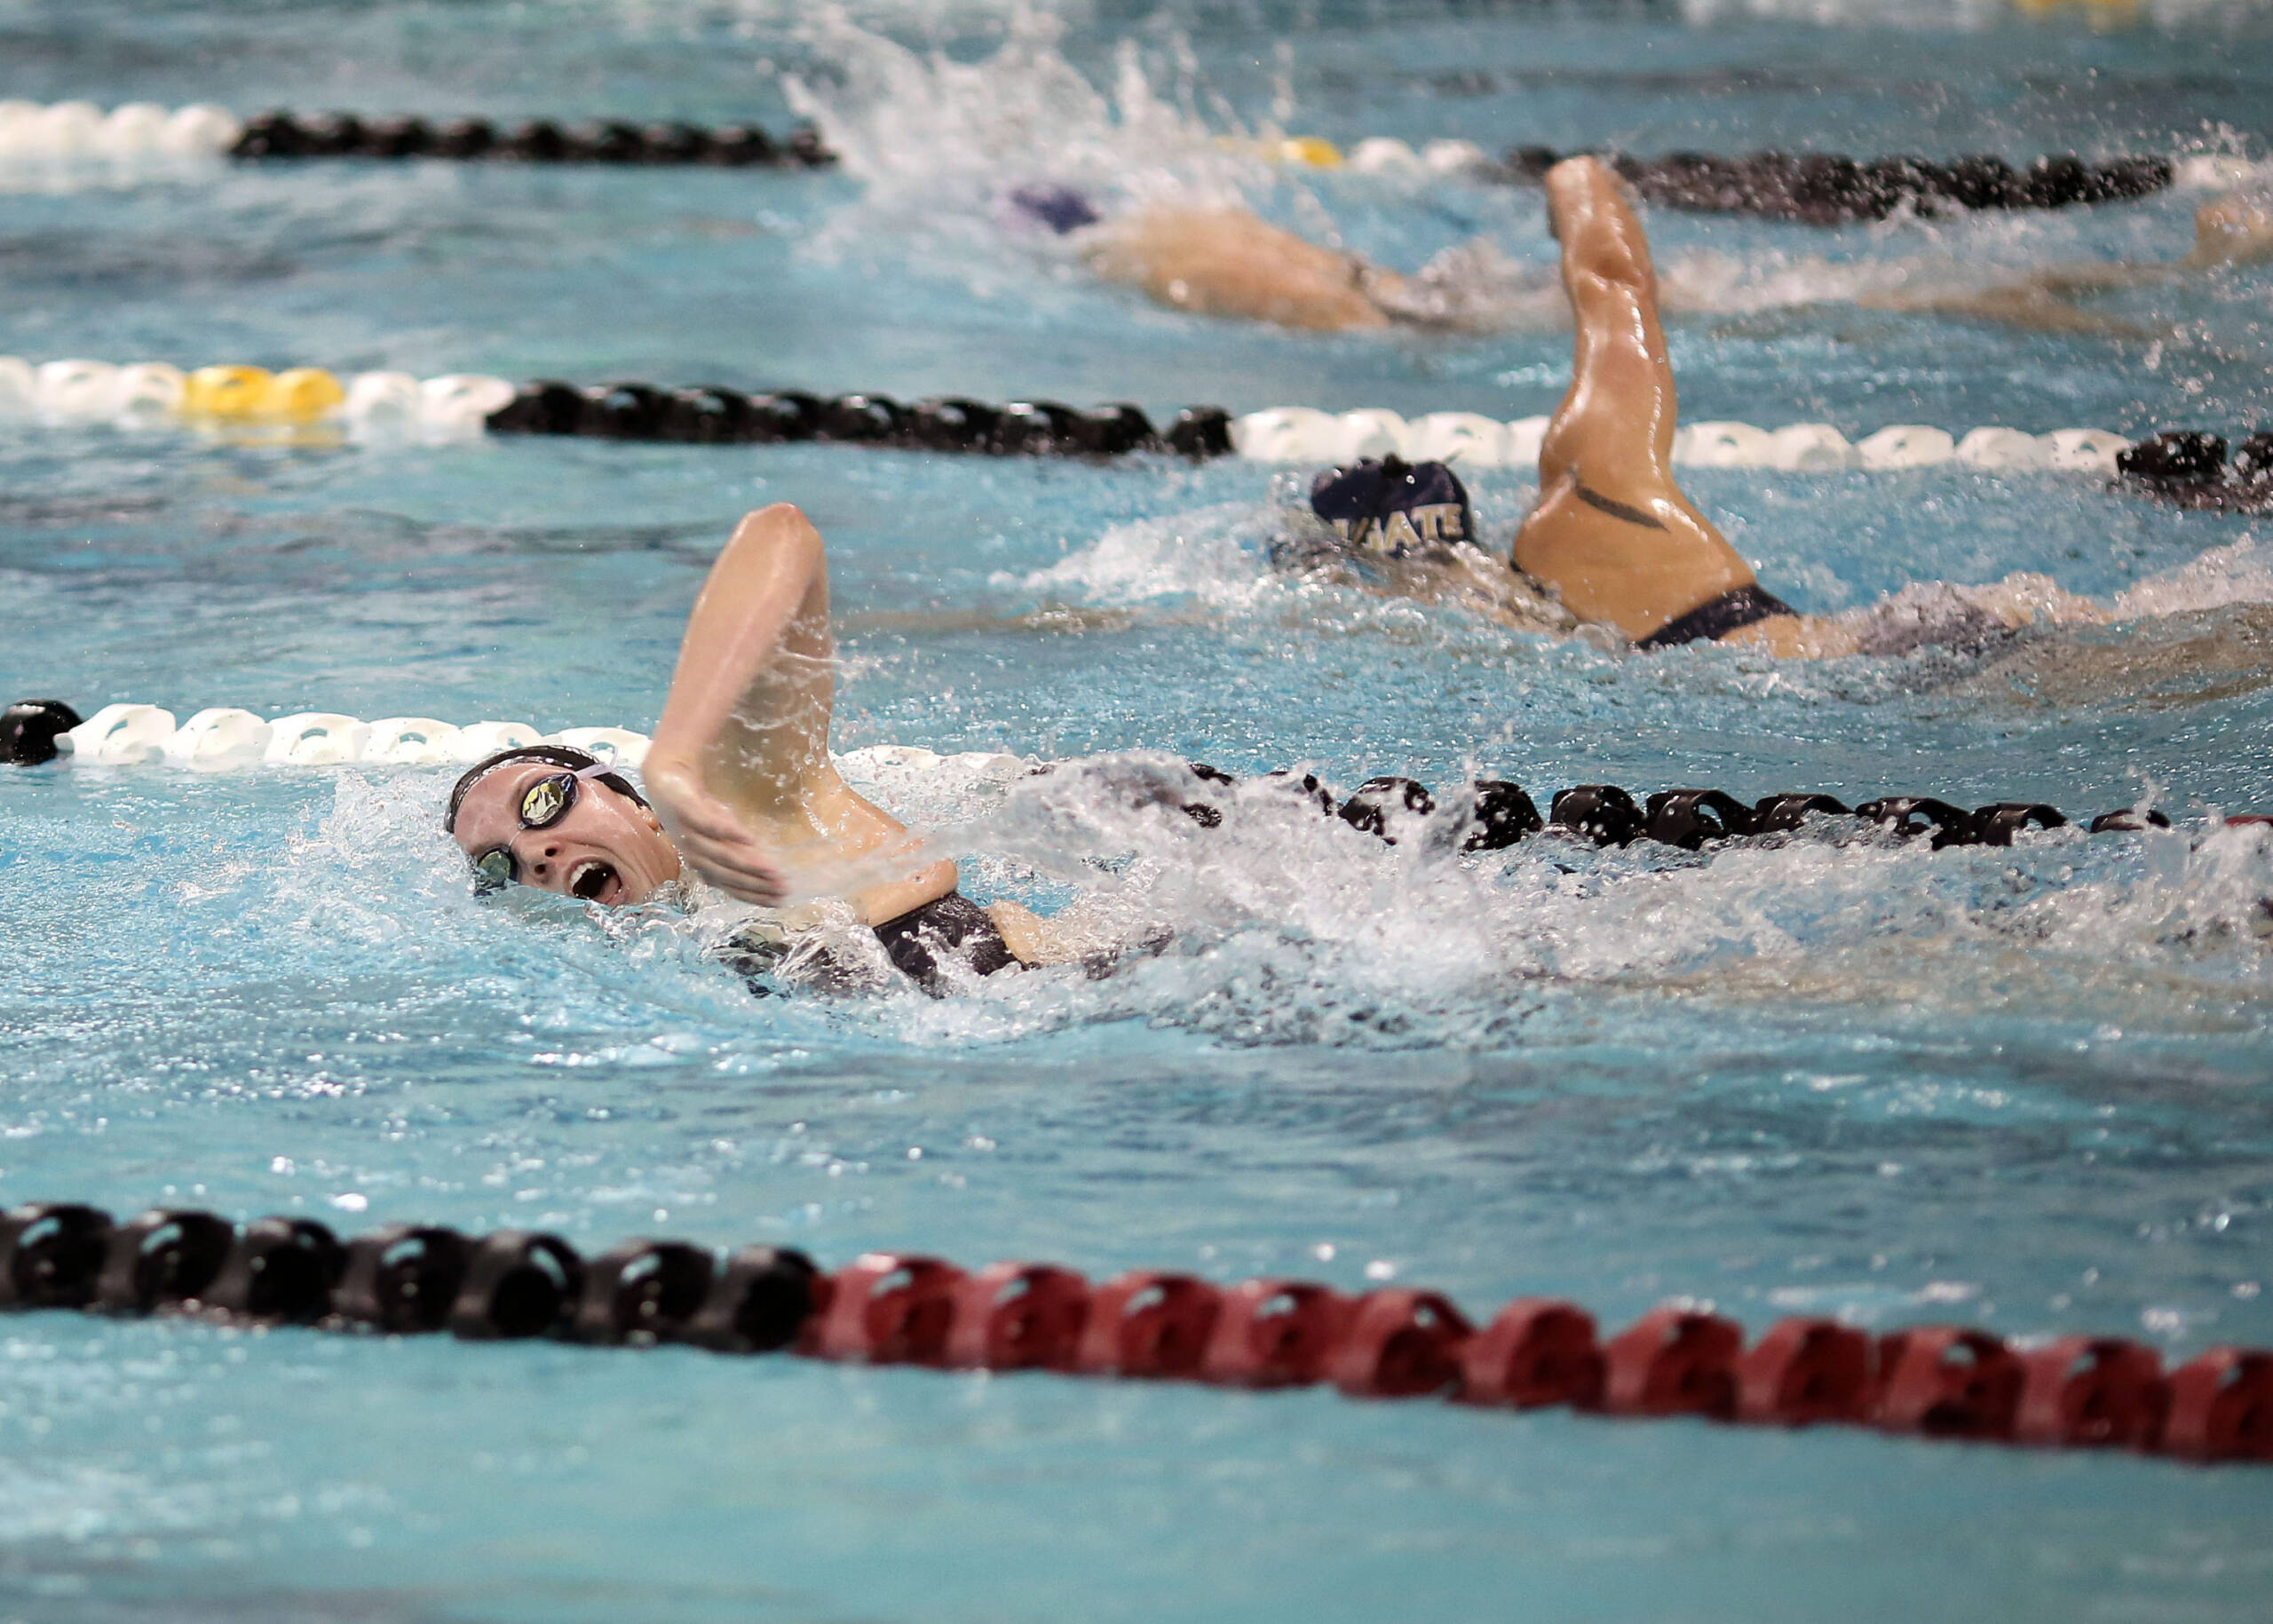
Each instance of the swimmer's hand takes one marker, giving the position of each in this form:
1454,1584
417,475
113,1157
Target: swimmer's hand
710,838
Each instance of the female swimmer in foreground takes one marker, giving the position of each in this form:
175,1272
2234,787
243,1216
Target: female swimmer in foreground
740,785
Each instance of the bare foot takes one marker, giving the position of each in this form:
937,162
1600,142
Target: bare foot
2231,229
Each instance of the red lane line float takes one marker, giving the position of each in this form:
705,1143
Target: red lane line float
1948,1381
1017,1316
1674,1361
1805,1372
1273,1333
2087,1391
887,1309
893,1308
1399,1344
1536,1351
2221,1407
1148,1323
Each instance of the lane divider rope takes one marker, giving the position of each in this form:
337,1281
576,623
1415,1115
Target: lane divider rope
68,133
706,414
1496,814
141,393
1831,189
1819,188
2188,467
341,135
1930,1381
80,391
1305,434
1493,814
222,738
1808,188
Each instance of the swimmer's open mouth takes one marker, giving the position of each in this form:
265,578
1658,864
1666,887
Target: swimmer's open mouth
593,881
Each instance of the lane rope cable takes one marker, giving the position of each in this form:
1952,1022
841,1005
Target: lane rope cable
1812,188
67,133
1494,814
883,1308
2190,467
346,135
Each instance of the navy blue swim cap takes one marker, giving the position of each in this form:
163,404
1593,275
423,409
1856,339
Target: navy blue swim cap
1393,507
1062,209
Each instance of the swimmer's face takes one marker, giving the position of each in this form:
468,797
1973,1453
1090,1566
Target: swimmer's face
609,849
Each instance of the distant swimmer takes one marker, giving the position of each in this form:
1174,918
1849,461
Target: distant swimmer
1613,541
1229,262
2232,230
742,791
1388,527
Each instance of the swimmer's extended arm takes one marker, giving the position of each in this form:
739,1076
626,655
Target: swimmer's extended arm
1225,262
757,584
743,740
2040,304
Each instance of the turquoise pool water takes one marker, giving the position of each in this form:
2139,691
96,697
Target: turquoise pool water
2025,1088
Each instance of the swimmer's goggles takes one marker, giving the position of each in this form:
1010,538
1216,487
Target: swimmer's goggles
543,804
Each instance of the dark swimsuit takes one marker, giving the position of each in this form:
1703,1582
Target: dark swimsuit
952,927
949,925
1717,617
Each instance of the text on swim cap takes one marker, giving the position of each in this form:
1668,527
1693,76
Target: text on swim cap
1407,528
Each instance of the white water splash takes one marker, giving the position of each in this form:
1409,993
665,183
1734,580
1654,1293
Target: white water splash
1210,554
1279,925
1290,926
941,145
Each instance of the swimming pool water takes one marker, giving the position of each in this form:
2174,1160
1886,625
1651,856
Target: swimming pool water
2025,1088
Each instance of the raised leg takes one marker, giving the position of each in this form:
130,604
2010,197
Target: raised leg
1613,531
